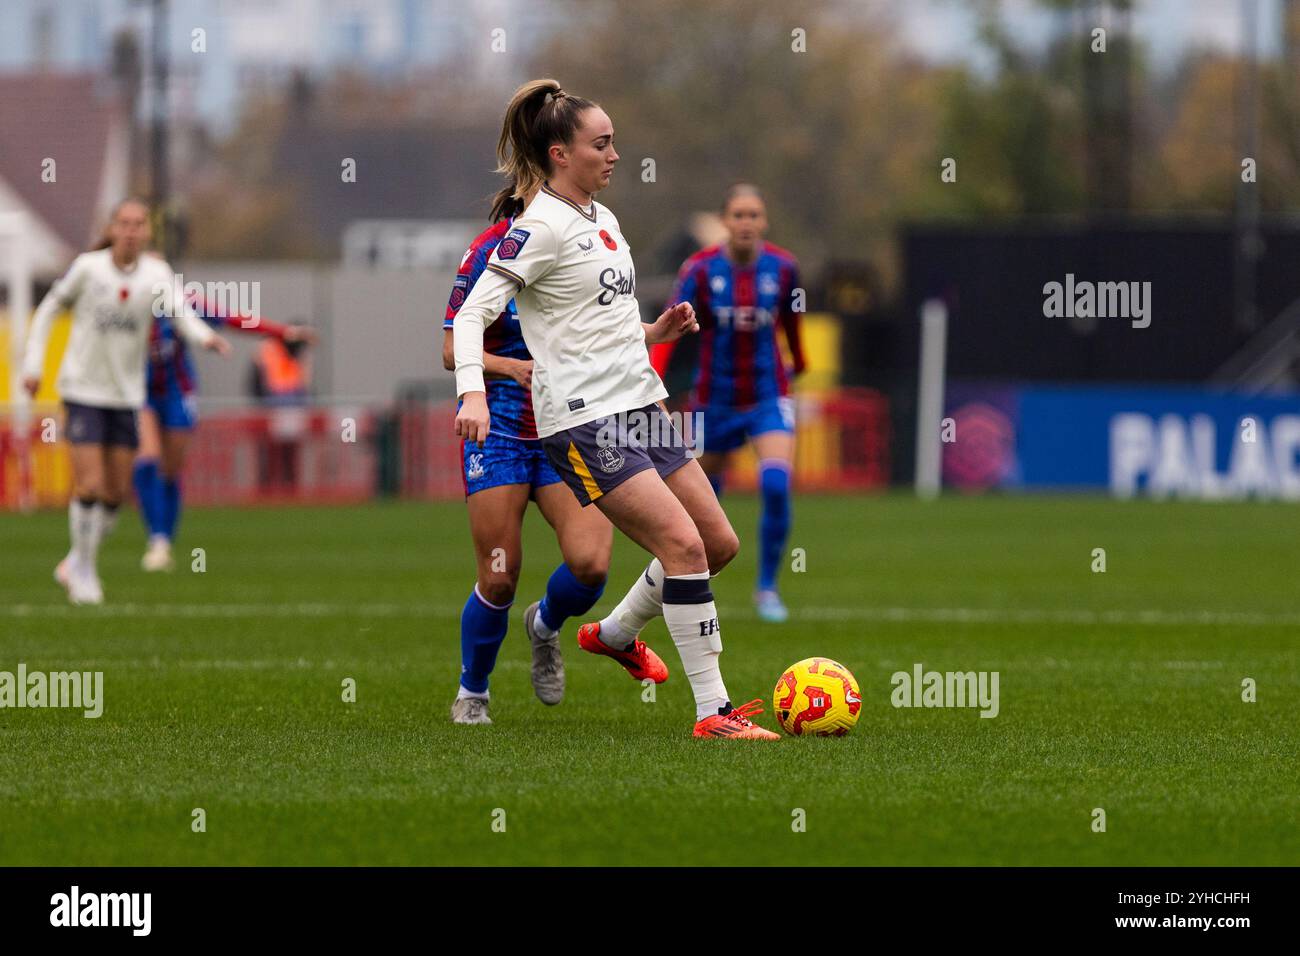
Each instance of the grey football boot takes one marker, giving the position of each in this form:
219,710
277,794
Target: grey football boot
470,710
548,663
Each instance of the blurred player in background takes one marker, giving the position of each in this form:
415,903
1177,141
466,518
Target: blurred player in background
114,294
500,476
596,397
741,290
167,421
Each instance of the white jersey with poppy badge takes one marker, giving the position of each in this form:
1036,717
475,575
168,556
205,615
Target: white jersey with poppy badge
570,272
112,315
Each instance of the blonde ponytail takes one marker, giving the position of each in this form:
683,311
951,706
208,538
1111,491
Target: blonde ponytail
539,113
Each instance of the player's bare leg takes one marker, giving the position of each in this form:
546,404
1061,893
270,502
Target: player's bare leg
715,464
585,536
150,434
775,450
495,518
775,444
690,485
644,600
119,460
175,444
648,511
117,473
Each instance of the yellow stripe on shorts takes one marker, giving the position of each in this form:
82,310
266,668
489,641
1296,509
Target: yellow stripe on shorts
583,472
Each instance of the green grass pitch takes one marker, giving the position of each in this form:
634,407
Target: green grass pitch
223,691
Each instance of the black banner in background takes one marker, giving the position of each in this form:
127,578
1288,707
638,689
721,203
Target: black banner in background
471,905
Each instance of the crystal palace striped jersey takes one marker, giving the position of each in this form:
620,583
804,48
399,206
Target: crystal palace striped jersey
739,309
509,403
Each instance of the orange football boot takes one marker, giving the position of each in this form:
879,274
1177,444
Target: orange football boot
735,723
641,662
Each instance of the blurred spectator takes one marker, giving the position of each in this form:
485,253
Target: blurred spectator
281,373
281,380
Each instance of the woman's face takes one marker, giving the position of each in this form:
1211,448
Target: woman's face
129,231
746,221
590,157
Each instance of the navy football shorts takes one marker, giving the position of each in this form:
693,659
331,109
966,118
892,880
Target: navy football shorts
92,425
597,457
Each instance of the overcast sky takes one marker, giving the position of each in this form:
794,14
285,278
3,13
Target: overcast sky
320,34
945,29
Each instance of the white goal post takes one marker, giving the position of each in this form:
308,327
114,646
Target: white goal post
929,405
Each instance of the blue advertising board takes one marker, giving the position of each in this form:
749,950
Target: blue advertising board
1167,442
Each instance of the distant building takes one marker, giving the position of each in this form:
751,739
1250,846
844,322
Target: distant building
64,161
402,174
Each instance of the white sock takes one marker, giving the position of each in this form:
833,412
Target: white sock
107,519
540,630
692,620
99,522
81,526
643,601
462,693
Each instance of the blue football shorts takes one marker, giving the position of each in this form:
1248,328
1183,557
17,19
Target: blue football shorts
727,428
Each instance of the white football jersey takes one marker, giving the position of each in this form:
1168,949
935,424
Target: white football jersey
112,316
570,272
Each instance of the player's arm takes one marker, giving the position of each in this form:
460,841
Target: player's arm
486,301
531,251
192,328
684,289
790,321
61,296
494,366
291,332
674,322
284,331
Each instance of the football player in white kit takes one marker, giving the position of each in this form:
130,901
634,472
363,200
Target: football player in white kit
596,397
113,293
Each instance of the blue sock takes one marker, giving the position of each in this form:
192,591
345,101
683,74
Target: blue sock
567,597
716,482
774,526
171,505
148,494
482,630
